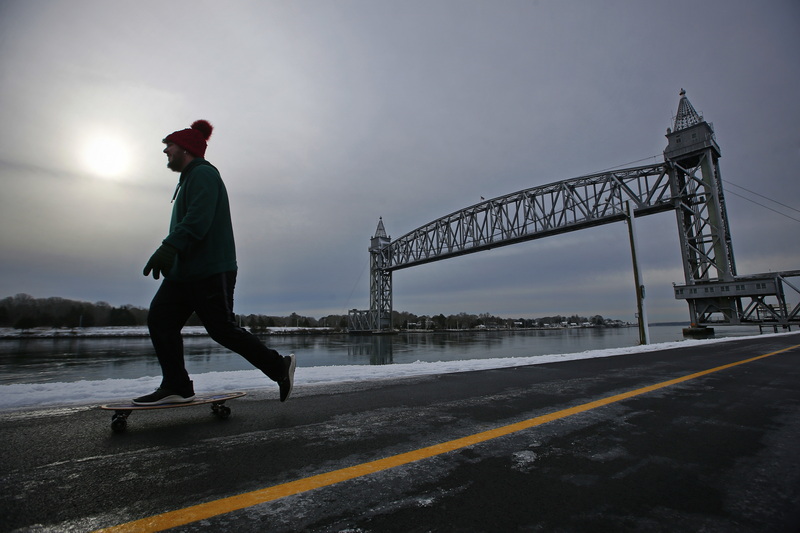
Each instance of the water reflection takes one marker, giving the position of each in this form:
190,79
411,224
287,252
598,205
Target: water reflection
377,349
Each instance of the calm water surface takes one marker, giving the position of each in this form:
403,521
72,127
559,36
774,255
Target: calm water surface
75,359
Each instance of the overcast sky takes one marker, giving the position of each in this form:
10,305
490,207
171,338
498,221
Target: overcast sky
331,114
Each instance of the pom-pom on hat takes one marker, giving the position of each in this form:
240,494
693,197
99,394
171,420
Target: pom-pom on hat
194,140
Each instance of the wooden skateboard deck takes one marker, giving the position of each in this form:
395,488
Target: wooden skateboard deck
119,420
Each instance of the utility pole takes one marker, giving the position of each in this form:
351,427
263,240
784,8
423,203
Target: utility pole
644,333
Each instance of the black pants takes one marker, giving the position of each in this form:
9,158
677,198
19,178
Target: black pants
212,299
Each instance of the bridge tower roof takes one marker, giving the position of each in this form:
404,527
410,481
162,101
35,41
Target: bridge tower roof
380,231
687,116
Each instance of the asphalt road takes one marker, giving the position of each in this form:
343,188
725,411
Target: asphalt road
717,452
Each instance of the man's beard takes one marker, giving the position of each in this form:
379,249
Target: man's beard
174,164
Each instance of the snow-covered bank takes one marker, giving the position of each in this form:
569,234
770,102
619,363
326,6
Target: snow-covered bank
95,392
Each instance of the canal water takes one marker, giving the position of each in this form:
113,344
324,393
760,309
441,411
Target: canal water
59,359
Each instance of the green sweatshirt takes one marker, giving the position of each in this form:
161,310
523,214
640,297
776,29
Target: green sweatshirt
201,227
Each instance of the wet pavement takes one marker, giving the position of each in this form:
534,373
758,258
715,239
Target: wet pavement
571,446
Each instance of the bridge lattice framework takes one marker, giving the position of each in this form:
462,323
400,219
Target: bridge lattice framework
687,182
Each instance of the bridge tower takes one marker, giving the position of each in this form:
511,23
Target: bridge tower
380,280
692,158
379,316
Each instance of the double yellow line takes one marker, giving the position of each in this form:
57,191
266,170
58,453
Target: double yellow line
226,505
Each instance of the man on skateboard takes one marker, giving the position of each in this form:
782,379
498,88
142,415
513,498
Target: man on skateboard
198,262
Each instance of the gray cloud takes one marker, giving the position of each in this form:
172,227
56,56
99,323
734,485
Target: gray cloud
330,115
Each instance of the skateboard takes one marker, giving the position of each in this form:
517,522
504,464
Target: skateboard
119,420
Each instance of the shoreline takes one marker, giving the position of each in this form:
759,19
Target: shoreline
199,331
123,332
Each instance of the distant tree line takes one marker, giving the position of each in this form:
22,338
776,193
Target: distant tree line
26,312
23,311
405,320
261,323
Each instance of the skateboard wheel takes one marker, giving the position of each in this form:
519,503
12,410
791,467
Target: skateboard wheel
222,411
118,424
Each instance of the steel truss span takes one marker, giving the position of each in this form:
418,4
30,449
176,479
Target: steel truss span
535,213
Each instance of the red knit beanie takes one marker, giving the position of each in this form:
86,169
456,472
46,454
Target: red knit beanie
194,139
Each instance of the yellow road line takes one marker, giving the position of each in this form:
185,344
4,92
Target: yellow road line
226,505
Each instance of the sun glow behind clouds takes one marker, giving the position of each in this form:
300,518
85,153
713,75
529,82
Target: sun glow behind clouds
105,156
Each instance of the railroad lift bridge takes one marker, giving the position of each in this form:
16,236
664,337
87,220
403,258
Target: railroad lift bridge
688,183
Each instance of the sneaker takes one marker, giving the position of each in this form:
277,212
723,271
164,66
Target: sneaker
287,382
163,396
